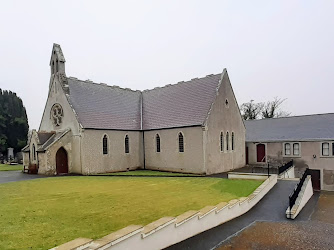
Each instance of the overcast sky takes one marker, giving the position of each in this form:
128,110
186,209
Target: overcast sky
270,48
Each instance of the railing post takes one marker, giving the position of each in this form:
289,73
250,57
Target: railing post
268,169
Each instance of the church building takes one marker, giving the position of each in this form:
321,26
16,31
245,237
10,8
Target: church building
88,128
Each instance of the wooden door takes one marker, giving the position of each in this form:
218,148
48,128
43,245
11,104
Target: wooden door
261,152
315,178
61,161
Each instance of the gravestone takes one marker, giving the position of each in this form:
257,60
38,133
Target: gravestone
10,154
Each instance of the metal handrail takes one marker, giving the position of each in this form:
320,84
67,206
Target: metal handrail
294,195
285,167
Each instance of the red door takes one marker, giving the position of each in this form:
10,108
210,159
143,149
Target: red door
61,161
315,178
261,152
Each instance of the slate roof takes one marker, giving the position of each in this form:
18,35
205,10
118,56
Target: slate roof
318,127
54,138
46,139
179,105
44,136
101,106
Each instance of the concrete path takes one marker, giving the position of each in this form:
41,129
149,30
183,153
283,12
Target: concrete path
271,208
10,176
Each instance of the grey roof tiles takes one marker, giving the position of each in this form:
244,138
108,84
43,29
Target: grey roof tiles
295,128
44,136
179,105
105,107
100,106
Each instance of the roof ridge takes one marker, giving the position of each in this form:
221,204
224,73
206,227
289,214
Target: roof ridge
142,91
286,117
180,82
102,84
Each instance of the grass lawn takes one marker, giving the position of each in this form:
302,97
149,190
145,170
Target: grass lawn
148,173
43,213
4,167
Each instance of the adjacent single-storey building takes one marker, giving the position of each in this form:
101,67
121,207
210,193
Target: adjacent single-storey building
307,139
87,128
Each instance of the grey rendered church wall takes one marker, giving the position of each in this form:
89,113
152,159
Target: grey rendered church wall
224,118
93,159
170,159
57,95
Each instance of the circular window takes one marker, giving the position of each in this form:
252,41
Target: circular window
57,114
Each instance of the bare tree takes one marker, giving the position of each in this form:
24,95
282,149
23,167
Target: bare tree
251,110
272,109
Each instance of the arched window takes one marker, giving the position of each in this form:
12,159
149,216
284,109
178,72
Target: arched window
287,149
57,66
232,143
157,140
295,148
53,67
227,140
105,145
181,143
221,142
34,152
126,144
325,149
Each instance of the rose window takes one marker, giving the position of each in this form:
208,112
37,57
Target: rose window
57,114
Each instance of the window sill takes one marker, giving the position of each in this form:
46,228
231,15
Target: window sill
326,156
292,156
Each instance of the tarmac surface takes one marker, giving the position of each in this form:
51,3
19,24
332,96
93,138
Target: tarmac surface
270,209
315,233
10,176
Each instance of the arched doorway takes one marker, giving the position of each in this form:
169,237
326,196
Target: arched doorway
261,152
61,161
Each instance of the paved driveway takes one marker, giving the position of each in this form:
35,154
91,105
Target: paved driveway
10,176
315,233
271,208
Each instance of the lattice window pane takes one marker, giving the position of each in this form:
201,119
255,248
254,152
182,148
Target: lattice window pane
127,148
158,143
105,145
221,142
181,143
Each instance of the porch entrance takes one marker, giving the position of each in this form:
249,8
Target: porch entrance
260,152
61,161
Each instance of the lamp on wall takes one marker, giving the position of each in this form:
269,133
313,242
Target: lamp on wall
314,156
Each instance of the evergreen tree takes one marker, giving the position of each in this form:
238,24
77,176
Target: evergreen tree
13,122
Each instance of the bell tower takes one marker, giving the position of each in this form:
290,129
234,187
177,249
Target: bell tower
57,61
57,66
